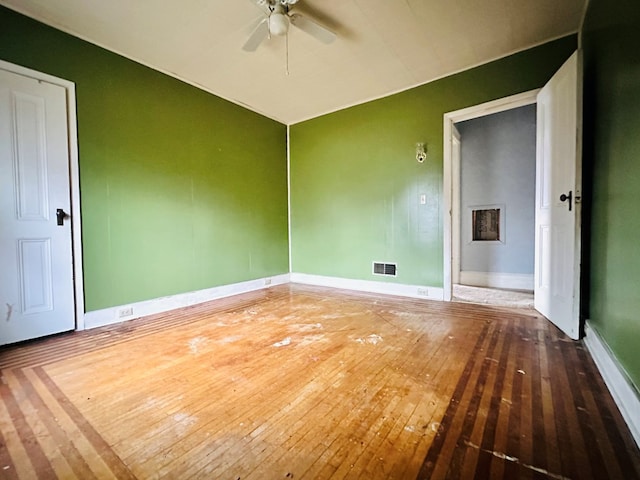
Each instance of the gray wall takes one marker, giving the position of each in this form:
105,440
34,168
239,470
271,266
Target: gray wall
497,166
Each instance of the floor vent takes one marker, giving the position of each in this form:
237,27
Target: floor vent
384,269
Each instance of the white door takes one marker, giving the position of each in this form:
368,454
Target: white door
558,193
36,277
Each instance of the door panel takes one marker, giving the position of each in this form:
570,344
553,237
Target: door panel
36,288
29,157
544,268
35,275
558,222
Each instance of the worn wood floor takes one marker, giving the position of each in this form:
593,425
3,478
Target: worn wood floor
303,382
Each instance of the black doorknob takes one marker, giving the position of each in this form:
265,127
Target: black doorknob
60,214
564,197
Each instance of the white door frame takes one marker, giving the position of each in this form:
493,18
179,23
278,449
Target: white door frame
74,180
451,182
456,151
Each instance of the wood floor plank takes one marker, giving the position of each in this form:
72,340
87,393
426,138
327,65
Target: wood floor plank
90,465
327,412
114,463
506,463
596,462
412,424
15,461
539,457
448,364
381,458
515,421
608,415
501,432
567,411
62,441
255,433
355,419
481,439
551,442
19,412
593,424
526,447
481,468
397,407
309,382
49,459
273,415
437,461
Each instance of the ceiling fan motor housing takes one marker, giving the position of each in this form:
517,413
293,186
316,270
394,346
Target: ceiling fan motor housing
278,21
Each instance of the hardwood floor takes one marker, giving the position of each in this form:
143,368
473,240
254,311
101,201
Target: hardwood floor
305,382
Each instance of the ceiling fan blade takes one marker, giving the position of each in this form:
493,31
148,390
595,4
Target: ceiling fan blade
312,28
257,37
262,5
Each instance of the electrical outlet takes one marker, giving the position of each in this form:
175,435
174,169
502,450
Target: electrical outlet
125,312
267,281
423,292
423,199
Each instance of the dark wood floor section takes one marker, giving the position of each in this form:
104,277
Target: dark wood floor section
305,382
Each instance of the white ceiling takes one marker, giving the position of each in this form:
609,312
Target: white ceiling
383,46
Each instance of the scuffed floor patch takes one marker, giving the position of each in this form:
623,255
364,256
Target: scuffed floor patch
196,343
372,339
283,343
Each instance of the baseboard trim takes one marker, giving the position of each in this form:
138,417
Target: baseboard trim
627,398
399,289
111,315
512,281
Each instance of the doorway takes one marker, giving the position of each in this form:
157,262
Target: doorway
42,289
478,286
493,208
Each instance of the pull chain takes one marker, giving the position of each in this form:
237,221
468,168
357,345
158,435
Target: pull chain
287,53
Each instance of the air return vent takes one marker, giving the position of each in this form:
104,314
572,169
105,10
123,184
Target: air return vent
384,269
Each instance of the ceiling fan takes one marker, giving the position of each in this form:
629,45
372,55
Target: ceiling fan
277,21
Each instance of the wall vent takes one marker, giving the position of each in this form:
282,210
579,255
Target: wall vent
384,269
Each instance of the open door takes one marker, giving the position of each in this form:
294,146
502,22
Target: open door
558,195
36,279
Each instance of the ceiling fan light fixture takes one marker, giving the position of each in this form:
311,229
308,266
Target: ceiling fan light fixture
278,24
277,20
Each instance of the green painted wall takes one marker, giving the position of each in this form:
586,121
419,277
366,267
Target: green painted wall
355,183
612,160
180,189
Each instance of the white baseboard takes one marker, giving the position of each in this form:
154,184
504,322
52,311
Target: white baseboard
512,281
111,315
624,394
403,290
